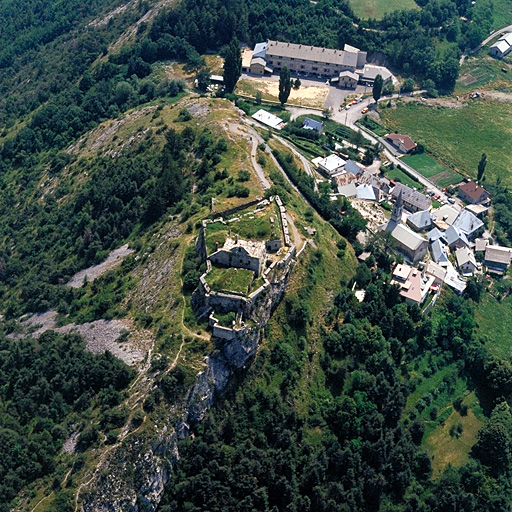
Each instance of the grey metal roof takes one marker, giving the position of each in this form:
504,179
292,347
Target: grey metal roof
412,197
350,74
434,234
407,237
438,253
305,52
260,50
348,190
311,124
498,254
353,168
464,256
366,192
453,234
467,222
420,220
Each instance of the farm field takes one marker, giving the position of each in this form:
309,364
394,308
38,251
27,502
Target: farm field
398,175
459,136
378,8
432,169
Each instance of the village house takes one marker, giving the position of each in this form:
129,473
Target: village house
420,221
412,200
471,225
472,193
497,258
330,165
445,216
269,119
415,285
403,142
455,238
438,251
411,245
436,271
466,261
347,79
502,46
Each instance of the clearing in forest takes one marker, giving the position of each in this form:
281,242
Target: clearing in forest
377,9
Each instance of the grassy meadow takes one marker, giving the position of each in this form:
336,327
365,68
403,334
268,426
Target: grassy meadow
459,136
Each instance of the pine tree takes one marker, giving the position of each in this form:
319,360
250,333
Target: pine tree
285,85
232,65
377,88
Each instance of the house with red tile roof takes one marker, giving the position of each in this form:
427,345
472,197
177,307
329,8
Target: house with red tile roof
403,142
473,193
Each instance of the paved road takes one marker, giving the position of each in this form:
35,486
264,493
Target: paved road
305,162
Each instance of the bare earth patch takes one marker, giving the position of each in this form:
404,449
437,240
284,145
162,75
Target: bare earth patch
114,259
307,96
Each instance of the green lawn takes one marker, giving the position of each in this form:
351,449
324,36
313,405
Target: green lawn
432,169
501,12
459,136
378,8
402,177
230,279
496,333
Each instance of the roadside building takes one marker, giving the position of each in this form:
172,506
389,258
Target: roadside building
466,261
370,72
311,124
413,200
323,62
479,210
434,234
497,258
347,79
472,193
403,143
330,165
269,119
502,46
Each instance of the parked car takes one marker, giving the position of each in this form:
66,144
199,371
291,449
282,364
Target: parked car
365,110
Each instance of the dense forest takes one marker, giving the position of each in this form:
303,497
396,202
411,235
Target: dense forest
352,446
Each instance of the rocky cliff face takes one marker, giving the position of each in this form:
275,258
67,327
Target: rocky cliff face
132,477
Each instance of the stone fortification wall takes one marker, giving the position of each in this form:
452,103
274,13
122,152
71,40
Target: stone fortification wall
239,208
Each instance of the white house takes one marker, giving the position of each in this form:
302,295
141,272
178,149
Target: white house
330,165
502,46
